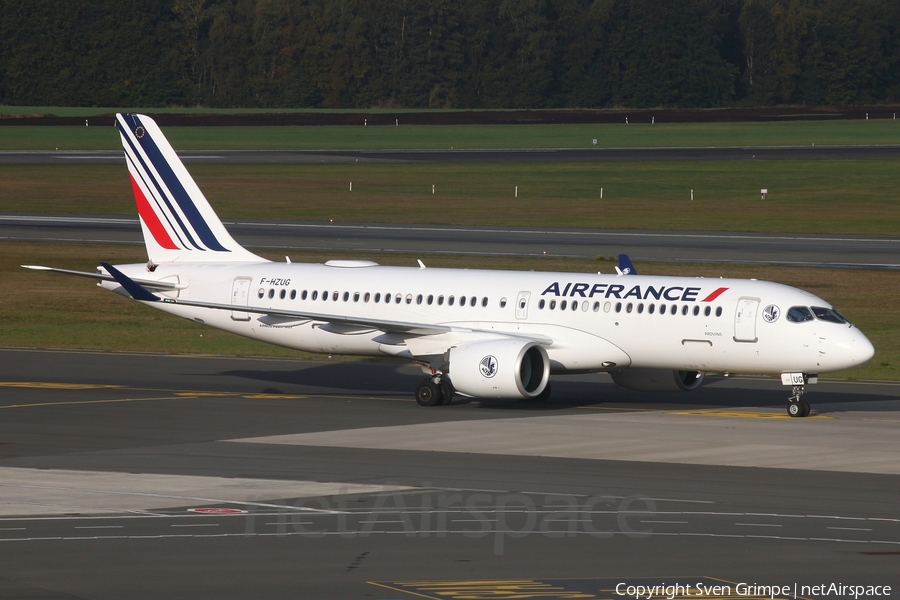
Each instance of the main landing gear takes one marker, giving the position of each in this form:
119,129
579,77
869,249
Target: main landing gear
797,407
434,393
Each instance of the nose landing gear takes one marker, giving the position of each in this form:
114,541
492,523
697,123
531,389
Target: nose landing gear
797,407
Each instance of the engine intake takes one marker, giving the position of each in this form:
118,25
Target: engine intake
502,368
657,380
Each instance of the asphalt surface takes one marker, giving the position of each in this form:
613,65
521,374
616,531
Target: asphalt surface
494,155
785,249
105,460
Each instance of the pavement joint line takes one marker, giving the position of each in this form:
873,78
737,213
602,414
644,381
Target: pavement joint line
420,532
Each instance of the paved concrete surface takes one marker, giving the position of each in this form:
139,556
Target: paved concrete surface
476,499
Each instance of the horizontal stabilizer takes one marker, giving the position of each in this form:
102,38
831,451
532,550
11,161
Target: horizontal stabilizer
165,286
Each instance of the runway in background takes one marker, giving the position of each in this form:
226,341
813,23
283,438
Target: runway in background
786,249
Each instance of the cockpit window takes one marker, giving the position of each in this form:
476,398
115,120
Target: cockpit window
799,314
828,314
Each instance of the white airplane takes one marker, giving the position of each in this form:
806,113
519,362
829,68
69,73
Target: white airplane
497,334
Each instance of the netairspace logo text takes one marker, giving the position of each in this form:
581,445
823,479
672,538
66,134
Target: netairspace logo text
670,592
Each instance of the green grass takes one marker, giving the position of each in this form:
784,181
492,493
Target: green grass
46,310
809,196
103,136
87,111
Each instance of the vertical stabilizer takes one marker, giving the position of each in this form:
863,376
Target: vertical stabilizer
177,220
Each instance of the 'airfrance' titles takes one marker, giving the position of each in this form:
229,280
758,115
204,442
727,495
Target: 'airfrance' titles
614,290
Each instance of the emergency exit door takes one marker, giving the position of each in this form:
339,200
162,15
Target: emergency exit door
745,320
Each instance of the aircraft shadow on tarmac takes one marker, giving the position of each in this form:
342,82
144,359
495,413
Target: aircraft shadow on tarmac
377,378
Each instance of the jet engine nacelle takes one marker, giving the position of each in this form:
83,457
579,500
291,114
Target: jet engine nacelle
502,368
657,380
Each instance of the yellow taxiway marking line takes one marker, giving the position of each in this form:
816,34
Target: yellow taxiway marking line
740,413
499,588
110,401
393,589
619,408
58,386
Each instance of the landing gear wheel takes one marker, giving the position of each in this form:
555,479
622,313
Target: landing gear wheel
446,389
428,393
798,408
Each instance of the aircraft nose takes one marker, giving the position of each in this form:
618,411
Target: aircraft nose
862,349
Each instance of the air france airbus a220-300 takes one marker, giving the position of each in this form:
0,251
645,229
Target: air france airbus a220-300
494,334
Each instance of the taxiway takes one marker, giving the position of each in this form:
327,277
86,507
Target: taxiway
143,476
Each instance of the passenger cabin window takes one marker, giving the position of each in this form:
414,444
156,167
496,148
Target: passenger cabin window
473,301
540,304
293,294
450,301
503,303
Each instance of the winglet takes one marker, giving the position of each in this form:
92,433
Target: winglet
137,291
625,267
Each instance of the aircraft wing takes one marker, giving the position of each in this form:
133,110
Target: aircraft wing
166,286
138,292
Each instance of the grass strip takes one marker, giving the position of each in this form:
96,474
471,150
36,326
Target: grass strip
103,136
804,196
54,311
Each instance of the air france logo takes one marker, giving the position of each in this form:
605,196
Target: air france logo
771,313
488,366
638,292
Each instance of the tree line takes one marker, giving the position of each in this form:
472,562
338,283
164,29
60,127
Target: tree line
449,53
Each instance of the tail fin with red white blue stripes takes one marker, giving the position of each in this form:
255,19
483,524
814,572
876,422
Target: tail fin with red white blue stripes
177,220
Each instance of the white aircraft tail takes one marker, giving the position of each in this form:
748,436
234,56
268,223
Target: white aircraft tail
177,220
